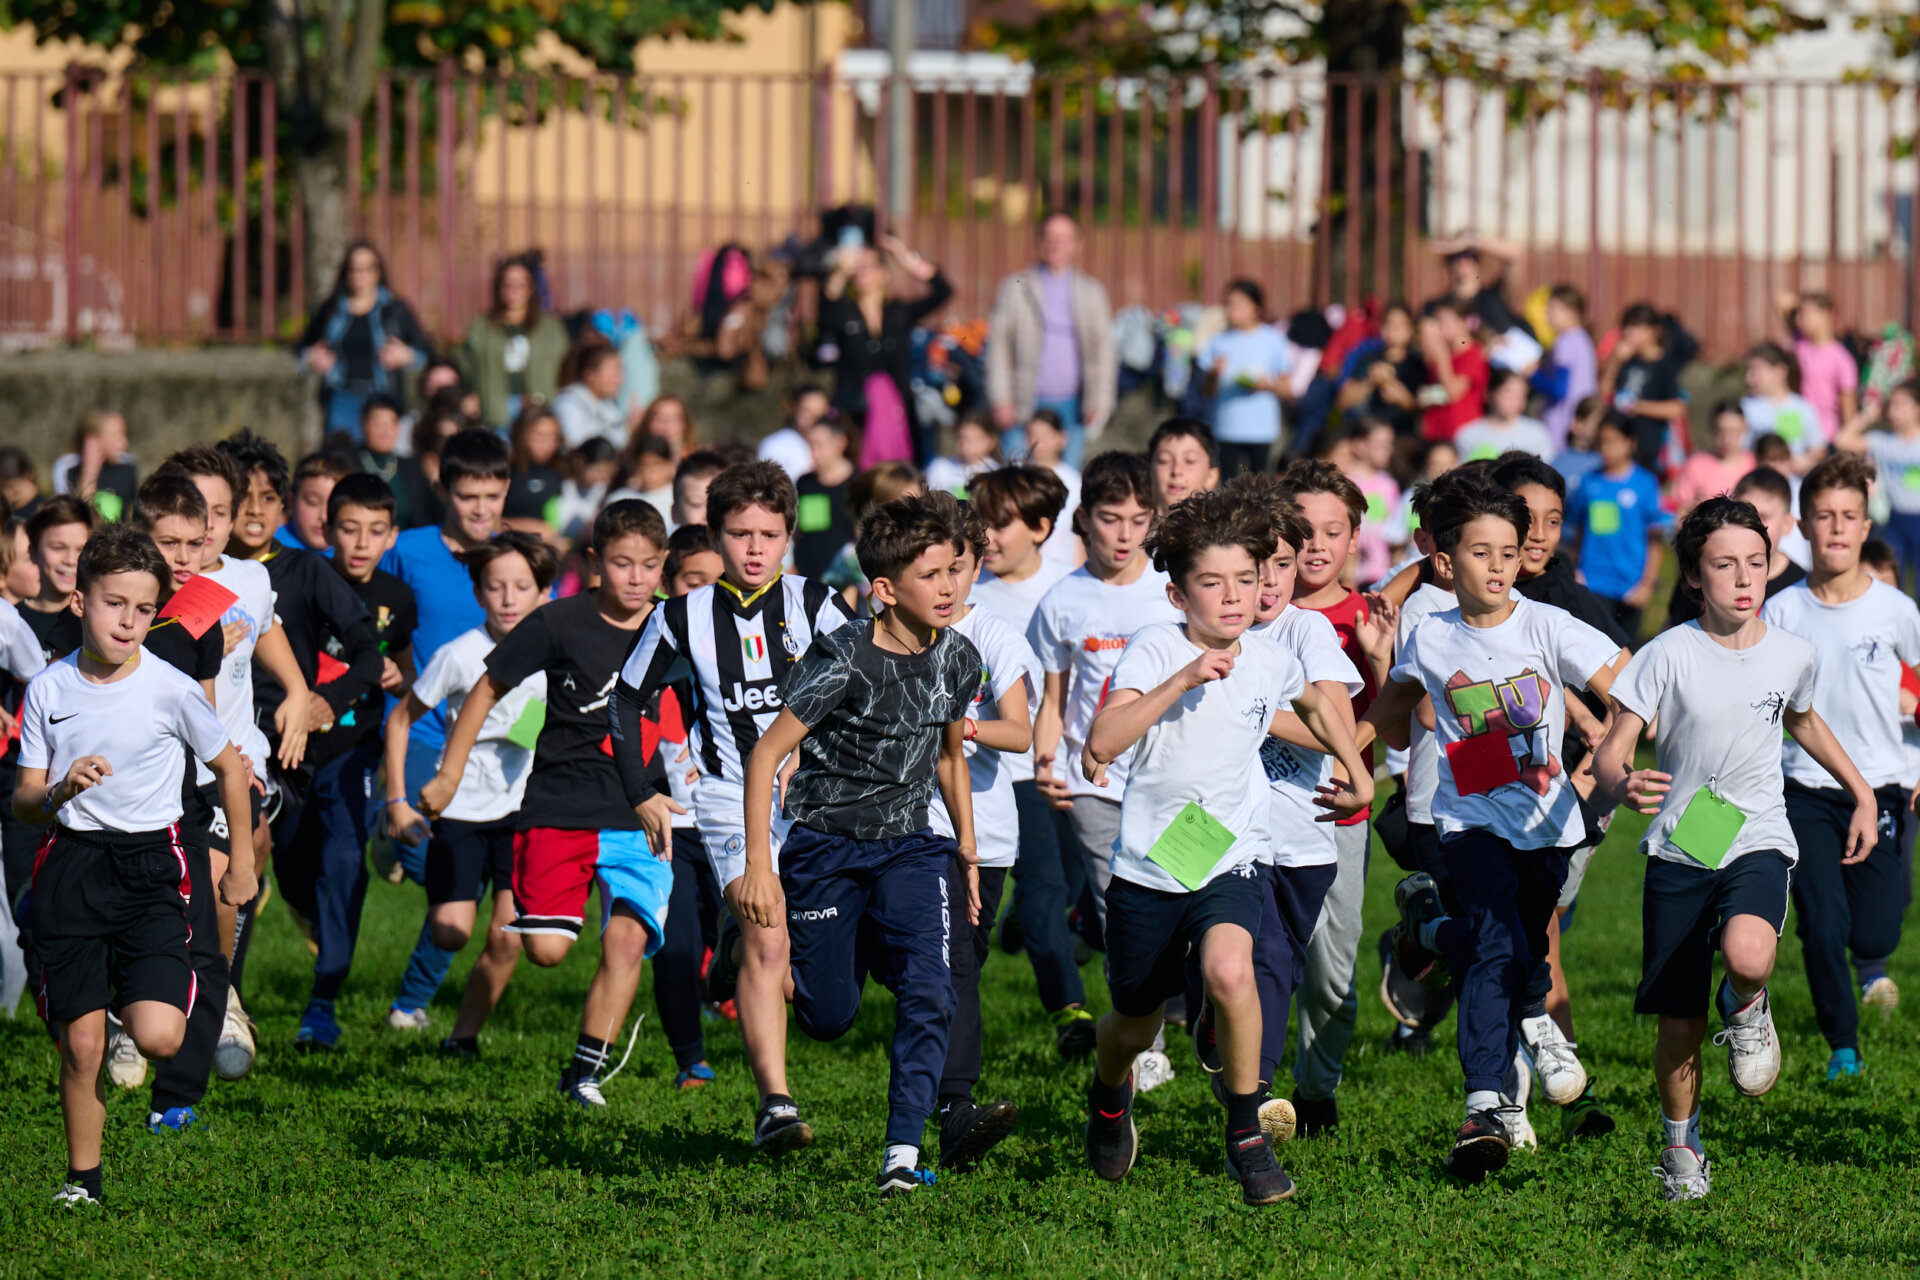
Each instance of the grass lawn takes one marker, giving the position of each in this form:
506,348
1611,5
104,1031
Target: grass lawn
384,1159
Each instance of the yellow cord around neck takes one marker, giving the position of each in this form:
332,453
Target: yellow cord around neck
747,601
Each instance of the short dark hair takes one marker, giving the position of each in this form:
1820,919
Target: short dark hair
626,518
897,533
120,548
1571,298
1772,353
1642,313
1265,491
1690,539
1728,405
759,483
1210,518
1049,416
1023,493
529,547
1110,479
472,454
1472,499
1771,444
1765,480
1878,553
250,453
1184,428
975,526
687,540
1836,471
163,494
877,486
1614,420
322,464
1251,291
61,508
379,401
360,489
1517,467
205,460
1315,475
701,464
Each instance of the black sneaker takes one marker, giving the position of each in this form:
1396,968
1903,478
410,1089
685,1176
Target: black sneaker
901,1179
1415,1044
968,1132
723,972
1411,1002
1316,1116
464,1049
1075,1032
1112,1141
779,1127
1583,1118
1418,900
1206,1043
1480,1147
1250,1160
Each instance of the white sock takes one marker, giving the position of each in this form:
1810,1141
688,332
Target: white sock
1482,1100
1684,1133
1430,933
899,1155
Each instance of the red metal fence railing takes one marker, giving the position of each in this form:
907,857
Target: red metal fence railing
148,209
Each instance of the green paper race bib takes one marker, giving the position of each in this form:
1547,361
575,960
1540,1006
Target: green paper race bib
1604,517
1377,512
526,730
1910,479
1191,846
1708,828
816,512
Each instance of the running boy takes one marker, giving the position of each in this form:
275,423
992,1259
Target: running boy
1184,459
742,637
575,830
470,848
877,711
102,733
1194,822
1720,850
1507,822
1862,630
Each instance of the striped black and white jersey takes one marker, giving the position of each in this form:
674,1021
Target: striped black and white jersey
738,652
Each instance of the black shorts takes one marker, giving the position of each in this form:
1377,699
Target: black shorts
465,858
1682,913
1150,932
109,922
213,818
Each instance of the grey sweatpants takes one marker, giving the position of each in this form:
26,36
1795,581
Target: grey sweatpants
1097,823
1328,1005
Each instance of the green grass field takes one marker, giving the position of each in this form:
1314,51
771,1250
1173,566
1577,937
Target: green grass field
384,1159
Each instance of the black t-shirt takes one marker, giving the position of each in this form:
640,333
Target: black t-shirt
391,613
1493,312
1411,371
313,603
874,721
58,632
1642,379
822,527
1685,606
574,785
532,493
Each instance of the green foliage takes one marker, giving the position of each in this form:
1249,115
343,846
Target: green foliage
385,1160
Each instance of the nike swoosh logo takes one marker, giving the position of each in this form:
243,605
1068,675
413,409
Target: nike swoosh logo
57,719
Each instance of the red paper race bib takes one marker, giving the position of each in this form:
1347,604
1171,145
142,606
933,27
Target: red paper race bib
199,605
1480,764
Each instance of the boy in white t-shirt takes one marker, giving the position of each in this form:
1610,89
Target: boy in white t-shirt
1720,850
1021,505
1863,630
1193,704
101,739
1497,668
470,847
998,732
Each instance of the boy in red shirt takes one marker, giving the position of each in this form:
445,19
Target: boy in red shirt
1328,1004
1457,372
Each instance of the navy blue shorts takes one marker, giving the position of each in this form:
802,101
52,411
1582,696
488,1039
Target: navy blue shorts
465,859
1150,932
1682,912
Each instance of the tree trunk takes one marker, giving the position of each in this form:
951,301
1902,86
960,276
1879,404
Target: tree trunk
321,174
1366,43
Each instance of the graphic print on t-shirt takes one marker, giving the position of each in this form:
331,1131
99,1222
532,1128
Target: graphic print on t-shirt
1514,707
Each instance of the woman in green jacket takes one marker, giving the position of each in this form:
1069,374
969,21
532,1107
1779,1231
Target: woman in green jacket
513,352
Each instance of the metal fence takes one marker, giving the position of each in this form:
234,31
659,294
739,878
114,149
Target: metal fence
148,209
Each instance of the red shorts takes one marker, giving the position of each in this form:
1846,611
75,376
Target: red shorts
554,870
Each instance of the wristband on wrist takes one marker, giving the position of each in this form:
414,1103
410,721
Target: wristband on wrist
971,729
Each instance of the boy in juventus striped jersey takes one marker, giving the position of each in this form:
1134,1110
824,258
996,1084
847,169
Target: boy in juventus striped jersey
740,637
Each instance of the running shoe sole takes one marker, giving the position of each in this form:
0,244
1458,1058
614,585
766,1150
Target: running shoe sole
1133,1150
1473,1160
788,1137
993,1124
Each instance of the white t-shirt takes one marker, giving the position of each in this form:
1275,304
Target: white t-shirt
20,652
1081,627
1509,679
1295,838
1486,438
233,690
790,449
1857,691
138,724
1206,750
954,476
1006,660
495,779
1718,712
1063,544
1014,603
1423,757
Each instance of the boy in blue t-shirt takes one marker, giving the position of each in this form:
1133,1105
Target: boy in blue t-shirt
1616,516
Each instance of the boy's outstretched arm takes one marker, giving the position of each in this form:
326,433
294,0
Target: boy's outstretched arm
438,793
760,898
1386,719
241,883
1321,716
956,789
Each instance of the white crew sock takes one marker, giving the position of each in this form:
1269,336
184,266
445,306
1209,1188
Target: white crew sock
901,1154
1482,1100
1684,1133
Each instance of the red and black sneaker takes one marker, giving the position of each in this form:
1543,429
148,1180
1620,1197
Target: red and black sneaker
1112,1141
1480,1148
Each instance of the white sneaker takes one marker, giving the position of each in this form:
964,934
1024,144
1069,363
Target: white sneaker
1513,1111
1753,1050
125,1066
408,1019
1151,1070
233,1057
1562,1078
1683,1174
1277,1120
1881,994
72,1193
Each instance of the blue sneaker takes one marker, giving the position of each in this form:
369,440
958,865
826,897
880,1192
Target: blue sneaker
694,1077
319,1032
1844,1062
176,1119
